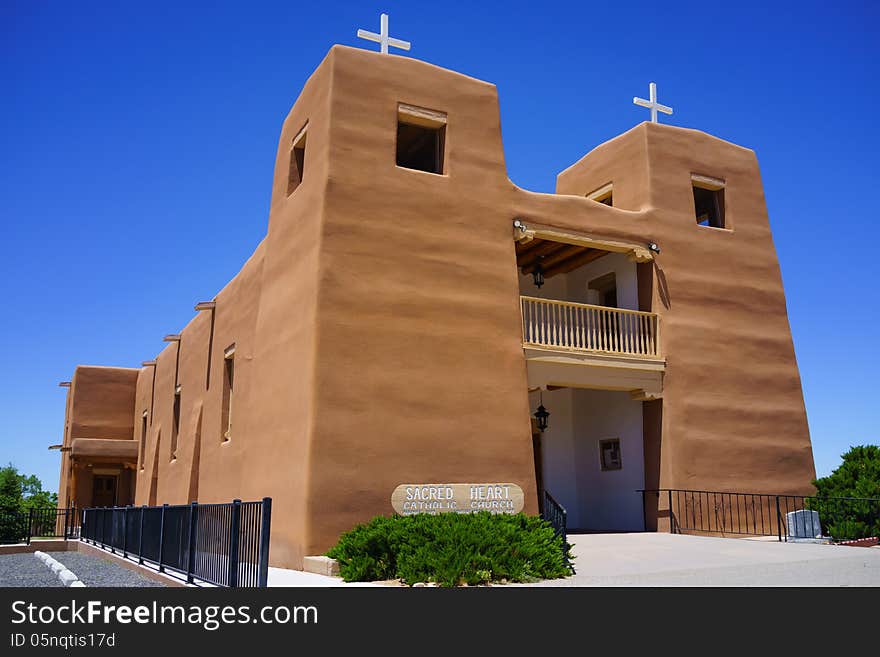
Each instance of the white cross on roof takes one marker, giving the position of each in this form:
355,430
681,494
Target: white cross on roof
382,38
652,104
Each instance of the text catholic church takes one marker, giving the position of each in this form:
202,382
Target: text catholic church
410,309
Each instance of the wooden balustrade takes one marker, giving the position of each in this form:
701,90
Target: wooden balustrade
584,327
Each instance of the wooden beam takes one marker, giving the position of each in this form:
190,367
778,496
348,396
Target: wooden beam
636,251
524,248
564,252
536,248
420,116
575,261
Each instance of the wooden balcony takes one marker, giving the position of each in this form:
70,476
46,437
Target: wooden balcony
581,327
577,345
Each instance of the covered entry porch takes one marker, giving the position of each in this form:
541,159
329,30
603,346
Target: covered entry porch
102,473
594,362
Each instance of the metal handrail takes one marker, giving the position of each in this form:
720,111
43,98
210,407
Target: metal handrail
763,514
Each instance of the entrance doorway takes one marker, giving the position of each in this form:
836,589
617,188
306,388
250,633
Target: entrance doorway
104,490
591,457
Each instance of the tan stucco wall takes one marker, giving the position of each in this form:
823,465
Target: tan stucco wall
377,326
733,410
101,402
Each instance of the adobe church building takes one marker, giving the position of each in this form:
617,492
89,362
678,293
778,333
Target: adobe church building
410,308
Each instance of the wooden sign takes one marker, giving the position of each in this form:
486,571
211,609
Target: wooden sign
408,499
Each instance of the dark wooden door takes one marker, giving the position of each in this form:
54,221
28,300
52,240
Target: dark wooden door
104,491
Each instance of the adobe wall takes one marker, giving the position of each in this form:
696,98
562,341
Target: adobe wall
377,327
420,374
733,410
101,403
200,437
98,405
733,417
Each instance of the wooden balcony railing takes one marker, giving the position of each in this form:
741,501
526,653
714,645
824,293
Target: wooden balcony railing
583,327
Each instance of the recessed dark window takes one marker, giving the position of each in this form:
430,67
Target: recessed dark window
709,206
297,161
605,290
143,439
420,147
421,139
175,422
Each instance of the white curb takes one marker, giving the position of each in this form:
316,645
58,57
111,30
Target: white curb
67,577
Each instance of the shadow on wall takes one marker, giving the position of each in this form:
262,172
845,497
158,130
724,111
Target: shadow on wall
662,286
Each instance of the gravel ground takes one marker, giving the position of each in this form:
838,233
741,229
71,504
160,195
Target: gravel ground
25,570
95,571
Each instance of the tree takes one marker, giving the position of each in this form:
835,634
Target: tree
857,476
20,492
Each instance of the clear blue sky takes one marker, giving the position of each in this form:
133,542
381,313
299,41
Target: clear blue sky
138,141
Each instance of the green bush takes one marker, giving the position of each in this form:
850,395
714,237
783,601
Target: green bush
858,476
452,549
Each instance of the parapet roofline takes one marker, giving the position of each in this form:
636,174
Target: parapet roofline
646,127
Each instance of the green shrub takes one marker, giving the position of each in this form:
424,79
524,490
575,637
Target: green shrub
452,549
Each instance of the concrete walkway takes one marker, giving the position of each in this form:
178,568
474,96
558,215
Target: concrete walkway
652,559
286,577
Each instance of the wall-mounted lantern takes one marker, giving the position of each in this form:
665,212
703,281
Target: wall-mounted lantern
538,272
541,416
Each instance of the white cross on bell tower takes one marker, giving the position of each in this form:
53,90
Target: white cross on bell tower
652,104
382,38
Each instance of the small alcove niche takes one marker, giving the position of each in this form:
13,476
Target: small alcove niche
708,201
297,160
609,454
603,195
228,387
421,139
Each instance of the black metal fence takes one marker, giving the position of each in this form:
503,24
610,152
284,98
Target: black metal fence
760,514
221,544
23,526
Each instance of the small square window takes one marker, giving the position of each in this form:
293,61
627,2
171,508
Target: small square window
609,454
421,139
708,201
297,161
603,195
